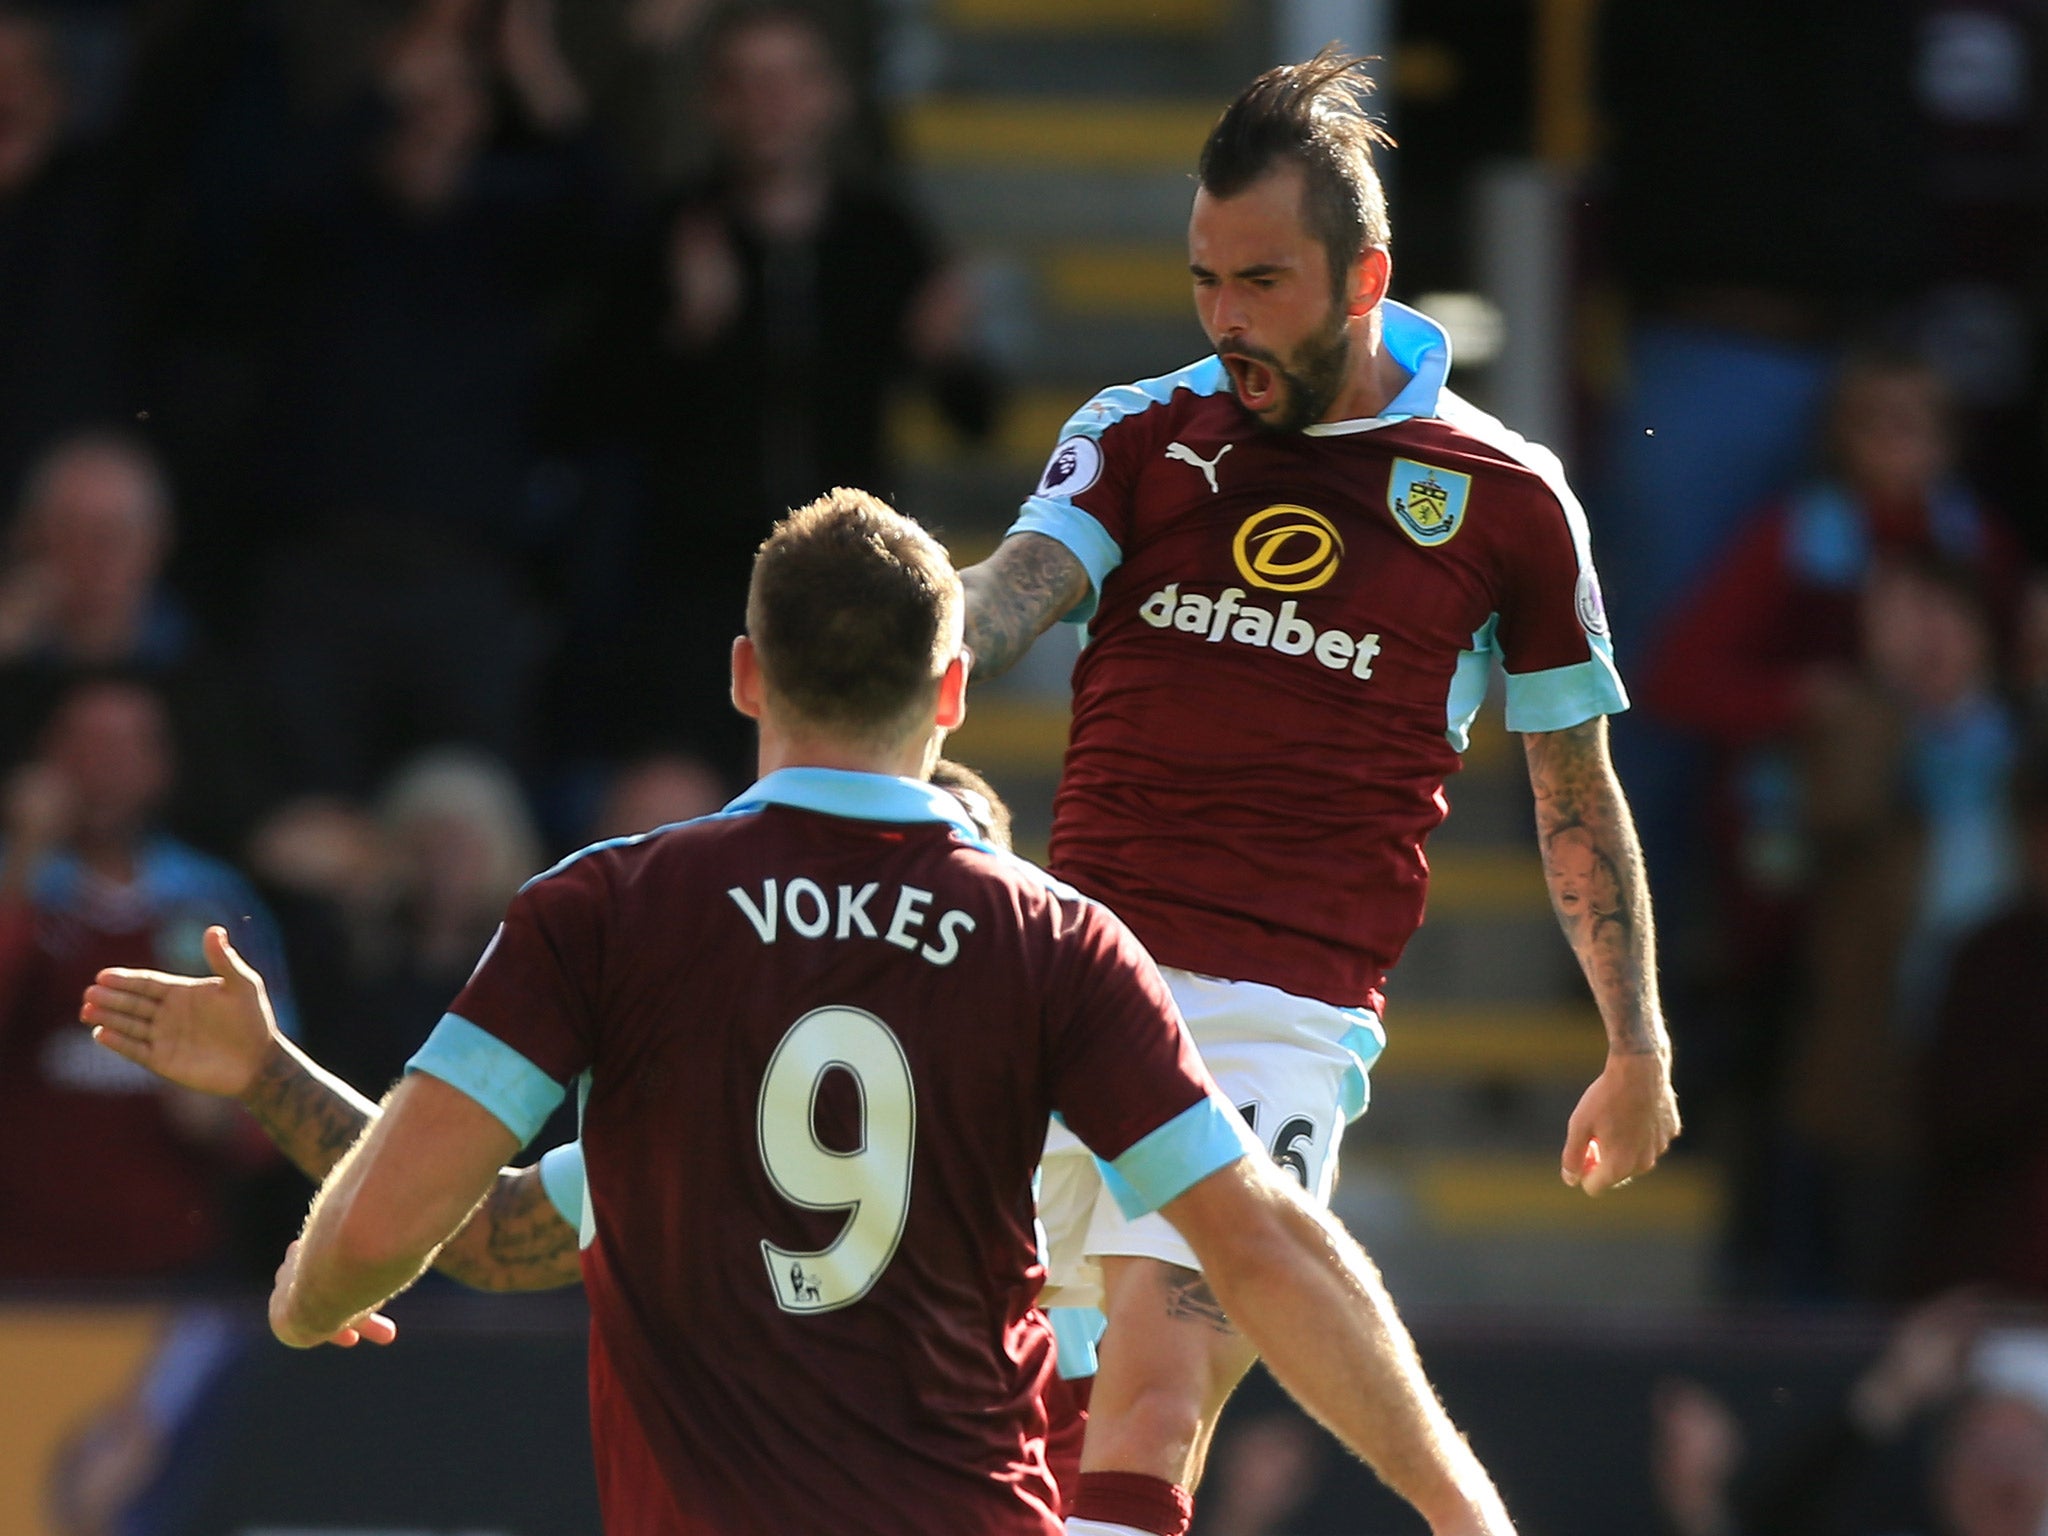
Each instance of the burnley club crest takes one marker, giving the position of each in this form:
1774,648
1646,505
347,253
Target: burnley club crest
1428,502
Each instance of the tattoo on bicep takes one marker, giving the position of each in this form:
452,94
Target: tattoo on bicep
515,1241
1015,595
530,1243
1594,868
1191,1300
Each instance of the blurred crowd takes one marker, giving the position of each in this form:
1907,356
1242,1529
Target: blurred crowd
392,393
1820,501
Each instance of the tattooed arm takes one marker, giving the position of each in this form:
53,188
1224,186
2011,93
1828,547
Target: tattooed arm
516,1241
216,1034
1594,866
1016,595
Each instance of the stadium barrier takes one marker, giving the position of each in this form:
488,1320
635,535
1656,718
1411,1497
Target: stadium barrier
475,1424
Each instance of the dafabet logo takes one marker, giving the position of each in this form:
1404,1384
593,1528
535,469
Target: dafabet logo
1287,549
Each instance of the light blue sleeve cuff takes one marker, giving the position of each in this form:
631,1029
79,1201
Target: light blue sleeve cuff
1566,696
491,1072
561,1175
1076,1331
1202,1138
1364,1041
1088,540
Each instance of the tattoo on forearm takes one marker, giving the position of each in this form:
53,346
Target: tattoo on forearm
516,1241
1015,595
1191,1300
312,1123
1594,867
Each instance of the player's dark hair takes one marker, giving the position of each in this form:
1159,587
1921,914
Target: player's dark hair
985,807
855,611
1312,115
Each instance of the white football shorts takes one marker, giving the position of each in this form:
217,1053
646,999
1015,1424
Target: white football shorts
1295,1068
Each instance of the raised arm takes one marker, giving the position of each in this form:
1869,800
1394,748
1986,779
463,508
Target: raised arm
1594,867
1311,1301
216,1034
1016,595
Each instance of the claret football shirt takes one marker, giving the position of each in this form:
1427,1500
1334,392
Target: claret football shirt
1289,634
819,1036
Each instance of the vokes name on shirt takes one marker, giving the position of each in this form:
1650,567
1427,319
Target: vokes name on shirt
801,908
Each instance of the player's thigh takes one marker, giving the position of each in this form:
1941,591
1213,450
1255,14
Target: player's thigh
1294,1067
1069,1188
1170,1360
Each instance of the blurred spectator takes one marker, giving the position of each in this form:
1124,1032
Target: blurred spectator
83,590
1983,1471
1740,288
62,345
1796,227
1765,629
1696,1447
640,57
1907,839
129,1471
657,791
751,351
105,1173
644,62
390,910
1982,1090
1266,1472
408,296
1980,84
1838,707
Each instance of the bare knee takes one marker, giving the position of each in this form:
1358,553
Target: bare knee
1170,1360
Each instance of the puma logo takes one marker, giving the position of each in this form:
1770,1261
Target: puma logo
1182,453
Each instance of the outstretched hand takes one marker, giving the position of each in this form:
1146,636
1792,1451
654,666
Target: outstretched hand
1622,1125
212,1033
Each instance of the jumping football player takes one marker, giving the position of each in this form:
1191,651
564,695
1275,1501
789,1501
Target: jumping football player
1298,561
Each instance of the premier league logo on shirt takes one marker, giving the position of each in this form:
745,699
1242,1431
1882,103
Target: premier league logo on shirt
1586,598
1428,503
1074,466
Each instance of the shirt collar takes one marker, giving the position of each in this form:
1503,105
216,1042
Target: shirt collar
1421,346
857,796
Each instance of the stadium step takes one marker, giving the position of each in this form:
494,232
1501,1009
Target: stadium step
1074,136
1086,18
1524,1041
1469,1231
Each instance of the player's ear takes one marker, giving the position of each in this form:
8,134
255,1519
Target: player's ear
746,677
1371,275
953,691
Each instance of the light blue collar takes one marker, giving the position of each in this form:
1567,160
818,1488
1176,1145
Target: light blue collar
857,796
1421,346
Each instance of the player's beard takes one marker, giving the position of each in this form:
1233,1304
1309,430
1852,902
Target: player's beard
1310,381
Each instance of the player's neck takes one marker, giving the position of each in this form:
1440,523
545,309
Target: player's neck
1375,377
816,749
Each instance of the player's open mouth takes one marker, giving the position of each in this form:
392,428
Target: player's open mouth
1257,384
